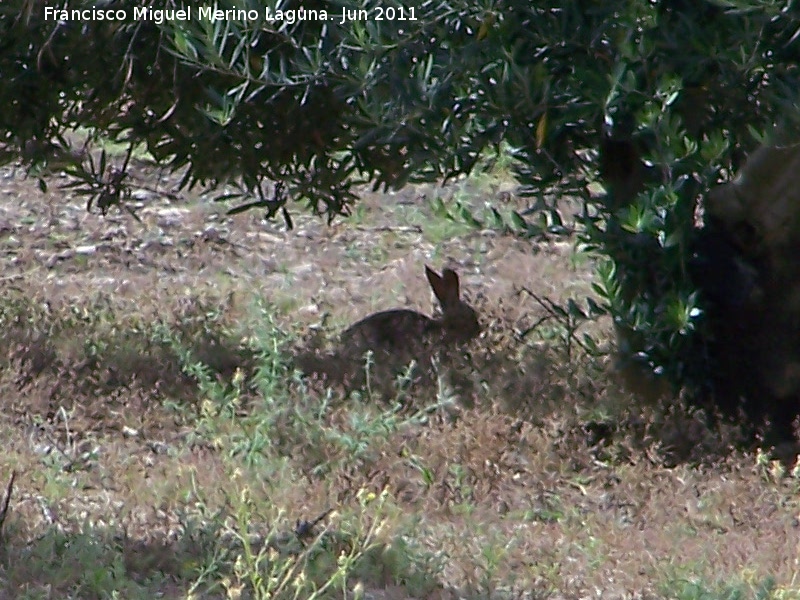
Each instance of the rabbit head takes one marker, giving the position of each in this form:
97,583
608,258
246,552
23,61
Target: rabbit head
459,321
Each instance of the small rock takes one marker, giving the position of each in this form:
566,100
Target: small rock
171,217
158,447
129,431
142,194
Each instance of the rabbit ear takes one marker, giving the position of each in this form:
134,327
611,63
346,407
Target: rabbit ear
445,287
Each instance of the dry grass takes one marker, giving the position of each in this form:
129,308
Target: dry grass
164,449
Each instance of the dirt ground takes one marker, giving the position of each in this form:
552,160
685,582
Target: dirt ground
547,480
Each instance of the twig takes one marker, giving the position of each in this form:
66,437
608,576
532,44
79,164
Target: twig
545,303
525,332
7,502
14,276
305,529
391,228
562,316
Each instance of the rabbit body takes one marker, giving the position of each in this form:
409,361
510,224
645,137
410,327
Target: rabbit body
390,330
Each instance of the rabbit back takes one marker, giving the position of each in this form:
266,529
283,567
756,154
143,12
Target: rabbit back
392,331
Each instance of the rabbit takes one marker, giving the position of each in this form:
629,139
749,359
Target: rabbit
396,330
399,336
